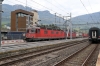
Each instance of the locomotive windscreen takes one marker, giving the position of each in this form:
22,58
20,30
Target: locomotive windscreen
31,30
94,34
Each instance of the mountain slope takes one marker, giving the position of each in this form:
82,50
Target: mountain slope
87,18
46,17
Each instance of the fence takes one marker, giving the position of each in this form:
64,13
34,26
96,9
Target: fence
12,36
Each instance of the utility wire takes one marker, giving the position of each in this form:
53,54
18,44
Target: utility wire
45,7
91,7
42,5
59,4
38,4
20,2
55,5
25,4
87,11
65,8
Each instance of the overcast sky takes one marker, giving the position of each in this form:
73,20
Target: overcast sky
61,6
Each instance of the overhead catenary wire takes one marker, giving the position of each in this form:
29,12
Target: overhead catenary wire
54,11
63,7
25,4
30,5
15,3
87,11
19,2
44,6
59,4
38,4
92,9
56,6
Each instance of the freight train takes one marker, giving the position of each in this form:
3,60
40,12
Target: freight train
94,34
34,34
38,33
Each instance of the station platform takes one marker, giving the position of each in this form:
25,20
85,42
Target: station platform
98,60
12,47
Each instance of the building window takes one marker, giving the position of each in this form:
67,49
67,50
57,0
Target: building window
31,16
19,14
22,15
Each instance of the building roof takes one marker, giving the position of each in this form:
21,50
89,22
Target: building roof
23,11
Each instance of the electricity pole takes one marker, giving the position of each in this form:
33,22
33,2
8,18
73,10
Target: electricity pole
69,26
55,18
0,18
59,20
26,5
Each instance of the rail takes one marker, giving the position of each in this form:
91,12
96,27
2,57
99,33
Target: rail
21,57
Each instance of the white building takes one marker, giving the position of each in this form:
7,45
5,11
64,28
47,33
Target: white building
35,17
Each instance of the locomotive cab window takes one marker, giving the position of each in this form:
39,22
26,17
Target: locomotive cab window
32,30
37,30
94,34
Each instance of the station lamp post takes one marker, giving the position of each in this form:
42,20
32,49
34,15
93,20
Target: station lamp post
0,18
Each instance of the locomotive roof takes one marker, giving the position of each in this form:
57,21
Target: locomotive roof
94,28
50,28
45,28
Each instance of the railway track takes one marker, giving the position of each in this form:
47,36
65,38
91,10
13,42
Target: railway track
38,57
78,58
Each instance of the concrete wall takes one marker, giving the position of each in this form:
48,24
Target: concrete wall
36,17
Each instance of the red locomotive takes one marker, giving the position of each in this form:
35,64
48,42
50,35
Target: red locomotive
39,33
73,35
84,35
